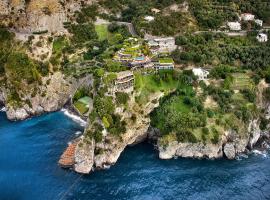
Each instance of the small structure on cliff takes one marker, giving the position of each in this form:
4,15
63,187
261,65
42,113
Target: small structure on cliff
262,37
234,26
141,62
164,63
200,73
247,17
124,82
161,45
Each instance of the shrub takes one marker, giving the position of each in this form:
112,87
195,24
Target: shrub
97,135
122,98
249,95
186,136
215,138
80,93
205,131
210,113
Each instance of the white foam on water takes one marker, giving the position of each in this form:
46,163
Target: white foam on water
74,117
241,156
78,133
107,166
262,153
3,109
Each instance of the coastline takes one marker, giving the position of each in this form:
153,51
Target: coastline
3,109
74,116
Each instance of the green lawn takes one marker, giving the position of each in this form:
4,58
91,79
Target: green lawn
148,82
147,85
165,60
178,104
82,108
85,100
102,31
83,104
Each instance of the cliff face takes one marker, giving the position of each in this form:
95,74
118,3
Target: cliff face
51,95
38,15
90,155
230,145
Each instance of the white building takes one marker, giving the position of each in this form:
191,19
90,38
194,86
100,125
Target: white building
259,22
149,18
161,45
262,37
234,26
200,73
247,17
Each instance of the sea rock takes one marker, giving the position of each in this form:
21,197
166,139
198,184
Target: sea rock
84,156
16,114
229,151
254,132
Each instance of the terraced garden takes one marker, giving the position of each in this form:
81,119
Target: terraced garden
242,81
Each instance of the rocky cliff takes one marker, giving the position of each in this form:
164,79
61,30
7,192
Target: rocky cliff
38,15
90,154
230,145
51,95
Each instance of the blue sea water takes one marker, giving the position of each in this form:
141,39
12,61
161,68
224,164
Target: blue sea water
29,152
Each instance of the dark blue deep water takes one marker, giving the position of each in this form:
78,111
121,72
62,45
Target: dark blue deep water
29,152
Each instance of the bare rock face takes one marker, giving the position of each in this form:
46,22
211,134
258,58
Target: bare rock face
38,15
54,93
190,150
229,151
84,156
255,133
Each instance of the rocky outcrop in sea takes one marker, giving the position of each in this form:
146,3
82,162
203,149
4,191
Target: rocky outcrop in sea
91,155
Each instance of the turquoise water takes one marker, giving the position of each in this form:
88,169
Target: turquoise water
139,58
30,151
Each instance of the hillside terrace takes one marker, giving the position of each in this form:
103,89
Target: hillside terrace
124,82
132,55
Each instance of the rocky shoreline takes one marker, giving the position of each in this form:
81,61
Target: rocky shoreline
91,155
82,157
55,96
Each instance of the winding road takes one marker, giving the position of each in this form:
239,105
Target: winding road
130,27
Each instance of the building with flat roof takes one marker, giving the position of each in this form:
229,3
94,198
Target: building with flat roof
141,62
164,63
259,22
161,45
124,82
200,73
262,37
234,26
247,17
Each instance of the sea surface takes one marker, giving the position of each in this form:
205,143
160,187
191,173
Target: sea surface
29,152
